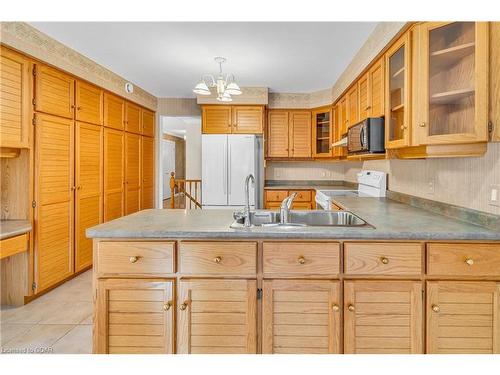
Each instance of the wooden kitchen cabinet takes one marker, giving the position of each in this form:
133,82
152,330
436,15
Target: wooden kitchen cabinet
463,317
132,173
301,317
54,92
114,178
323,132
376,92
383,317
363,96
352,107
133,118
89,185
136,316
453,70
300,134
148,122
338,130
277,134
397,113
247,119
289,134
147,171
89,103
305,199
114,111
54,196
217,316
15,99
216,119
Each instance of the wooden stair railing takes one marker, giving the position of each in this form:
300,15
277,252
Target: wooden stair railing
185,193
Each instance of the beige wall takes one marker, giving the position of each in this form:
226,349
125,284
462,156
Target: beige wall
178,107
28,40
463,182
304,171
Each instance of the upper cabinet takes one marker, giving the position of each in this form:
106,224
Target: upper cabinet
15,99
453,92
376,92
54,92
323,132
148,123
352,106
300,134
226,119
132,118
114,111
289,134
277,134
397,112
89,103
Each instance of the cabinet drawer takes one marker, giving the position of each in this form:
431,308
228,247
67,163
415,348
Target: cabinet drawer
218,258
302,195
301,258
463,259
135,258
14,245
276,195
301,206
383,258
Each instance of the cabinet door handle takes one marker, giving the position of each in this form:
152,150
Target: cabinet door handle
218,259
183,306
133,259
301,260
469,261
335,307
351,308
422,124
435,308
167,306
384,260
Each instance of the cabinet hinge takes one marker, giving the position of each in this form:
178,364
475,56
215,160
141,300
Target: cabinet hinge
33,286
33,121
33,204
259,293
34,101
490,129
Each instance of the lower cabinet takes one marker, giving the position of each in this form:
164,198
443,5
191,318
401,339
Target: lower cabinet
217,316
463,317
134,316
383,317
301,317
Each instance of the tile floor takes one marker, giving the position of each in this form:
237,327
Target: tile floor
58,322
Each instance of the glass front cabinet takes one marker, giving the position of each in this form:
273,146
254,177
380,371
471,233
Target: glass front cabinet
453,92
323,136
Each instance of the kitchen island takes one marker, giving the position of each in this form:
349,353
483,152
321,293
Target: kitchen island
183,281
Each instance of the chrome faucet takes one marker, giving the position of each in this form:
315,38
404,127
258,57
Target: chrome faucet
286,204
247,199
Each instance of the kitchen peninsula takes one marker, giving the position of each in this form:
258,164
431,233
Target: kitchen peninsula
183,281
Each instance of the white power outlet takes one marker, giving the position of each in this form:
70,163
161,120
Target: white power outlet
494,196
431,186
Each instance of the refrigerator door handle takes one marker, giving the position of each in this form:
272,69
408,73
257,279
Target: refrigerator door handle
229,168
224,182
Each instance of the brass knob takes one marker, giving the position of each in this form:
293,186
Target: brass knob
335,307
218,260
78,108
422,124
435,308
384,260
133,259
183,306
403,127
73,187
301,260
351,308
469,261
78,187
167,306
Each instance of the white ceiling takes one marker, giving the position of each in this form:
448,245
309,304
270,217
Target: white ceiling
168,58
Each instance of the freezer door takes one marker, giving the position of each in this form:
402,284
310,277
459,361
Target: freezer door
241,160
214,169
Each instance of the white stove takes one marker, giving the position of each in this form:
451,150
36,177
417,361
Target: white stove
370,184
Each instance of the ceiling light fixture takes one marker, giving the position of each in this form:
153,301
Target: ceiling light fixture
225,84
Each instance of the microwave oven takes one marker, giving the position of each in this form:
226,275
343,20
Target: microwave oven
366,137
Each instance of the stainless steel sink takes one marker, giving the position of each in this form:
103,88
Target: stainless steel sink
297,219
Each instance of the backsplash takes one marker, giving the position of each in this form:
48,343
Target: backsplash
464,182
304,171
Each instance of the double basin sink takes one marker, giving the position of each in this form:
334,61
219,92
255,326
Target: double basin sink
298,219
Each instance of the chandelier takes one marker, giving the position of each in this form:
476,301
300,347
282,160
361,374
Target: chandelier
225,84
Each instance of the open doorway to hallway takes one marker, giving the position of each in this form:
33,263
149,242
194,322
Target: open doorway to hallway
181,159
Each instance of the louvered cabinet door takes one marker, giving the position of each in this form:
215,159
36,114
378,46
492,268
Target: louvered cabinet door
114,178
133,118
364,96
54,92
216,119
300,134
114,111
277,134
54,162
134,316
376,106
301,317
463,317
132,173
247,119
217,316
148,123
89,103
14,99
352,106
147,170
383,317
88,180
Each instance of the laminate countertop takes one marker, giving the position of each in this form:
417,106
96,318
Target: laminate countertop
12,228
388,219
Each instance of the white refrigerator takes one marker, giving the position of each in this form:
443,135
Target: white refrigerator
226,162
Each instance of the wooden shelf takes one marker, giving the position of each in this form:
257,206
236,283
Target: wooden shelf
367,157
322,138
399,107
323,122
395,75
452,55
448,97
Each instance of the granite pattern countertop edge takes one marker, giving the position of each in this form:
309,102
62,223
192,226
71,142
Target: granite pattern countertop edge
12,228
